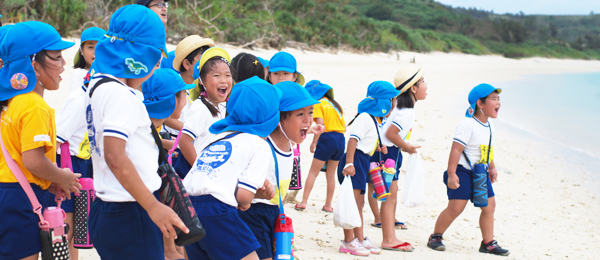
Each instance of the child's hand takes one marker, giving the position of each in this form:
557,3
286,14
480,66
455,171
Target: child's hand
69,183
384,149
317,129
349,170
453,182
244,207
493,175
165,218
313,147
411,148
267,191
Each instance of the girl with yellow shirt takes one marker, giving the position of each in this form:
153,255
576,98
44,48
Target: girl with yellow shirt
33,62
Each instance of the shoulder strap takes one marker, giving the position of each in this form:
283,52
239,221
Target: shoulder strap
175,144
14,168
378,136
161,150
102,81
276,176
489,149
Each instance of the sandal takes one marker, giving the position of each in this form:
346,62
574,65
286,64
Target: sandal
399,247
298,208
377,225
328,211
401,225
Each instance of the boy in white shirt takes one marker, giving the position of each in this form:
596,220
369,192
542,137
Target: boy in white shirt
126,218
472,145
231,171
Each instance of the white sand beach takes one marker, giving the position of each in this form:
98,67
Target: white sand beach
544,210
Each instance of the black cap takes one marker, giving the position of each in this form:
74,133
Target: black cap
145,2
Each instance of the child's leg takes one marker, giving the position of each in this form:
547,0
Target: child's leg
31,257
330,174
251,256
315,167
388,220
486,220
455,207
373,204
360,203
73,252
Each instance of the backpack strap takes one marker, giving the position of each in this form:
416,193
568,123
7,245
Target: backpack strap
488,153
103,79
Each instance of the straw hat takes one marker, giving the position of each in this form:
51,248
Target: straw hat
187,46
407,77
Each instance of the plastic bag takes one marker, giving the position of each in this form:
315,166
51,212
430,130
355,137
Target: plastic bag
413,193
346,213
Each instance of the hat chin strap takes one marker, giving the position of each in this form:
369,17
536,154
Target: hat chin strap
481,110
281,128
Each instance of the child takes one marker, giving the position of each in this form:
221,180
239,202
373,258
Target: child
327,147
168,62
215,85
164,97
231,169
296,107
355,162
472,144
126,218
160,7
33,55
246,66
282,67
187,54
85,56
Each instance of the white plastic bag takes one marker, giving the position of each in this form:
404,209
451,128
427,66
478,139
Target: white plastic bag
413,193
346,213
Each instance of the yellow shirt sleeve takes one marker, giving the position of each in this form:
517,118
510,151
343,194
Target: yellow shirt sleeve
318,111
37,130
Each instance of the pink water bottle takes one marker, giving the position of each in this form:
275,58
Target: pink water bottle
54,234
381,190
83,203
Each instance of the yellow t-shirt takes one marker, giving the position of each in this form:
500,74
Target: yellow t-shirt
333,119
27,123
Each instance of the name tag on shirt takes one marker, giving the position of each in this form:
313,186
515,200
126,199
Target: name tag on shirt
41,138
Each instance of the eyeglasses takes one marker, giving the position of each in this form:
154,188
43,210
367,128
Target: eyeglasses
160,5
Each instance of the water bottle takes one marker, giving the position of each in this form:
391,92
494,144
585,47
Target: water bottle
381,190
480,191
83,203
54,235
389,170
283,243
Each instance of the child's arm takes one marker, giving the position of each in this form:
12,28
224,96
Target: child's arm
267,191
186,145
123,169
313,145
173,123
394,137
168,144
39,165
350,150
493,172
455,153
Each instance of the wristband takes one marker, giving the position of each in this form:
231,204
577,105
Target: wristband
347,165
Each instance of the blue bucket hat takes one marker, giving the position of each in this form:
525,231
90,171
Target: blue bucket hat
264,62
378,103
17,43
159,92
89,34
479,91
293,96
134,43
253,108
283,61
167,63
318,90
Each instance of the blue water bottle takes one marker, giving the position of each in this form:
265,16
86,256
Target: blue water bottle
480,189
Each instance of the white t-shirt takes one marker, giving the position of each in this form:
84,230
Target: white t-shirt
199,120
403,119
106,117
475,137
285,161
71,125
240,161
77,79
365,131
182,116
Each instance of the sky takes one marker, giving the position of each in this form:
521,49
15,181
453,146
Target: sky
548,7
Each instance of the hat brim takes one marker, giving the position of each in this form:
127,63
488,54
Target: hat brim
414,80
189,49
300,79
375,106
125,59
263,129
59,46
161,109
276,69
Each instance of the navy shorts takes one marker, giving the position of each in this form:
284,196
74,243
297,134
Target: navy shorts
394,154
81,166
261,218
330,146
465,190
227,236
19,229
123,230
361,167
181,165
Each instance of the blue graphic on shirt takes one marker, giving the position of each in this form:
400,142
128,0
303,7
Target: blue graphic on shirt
213,157
89,118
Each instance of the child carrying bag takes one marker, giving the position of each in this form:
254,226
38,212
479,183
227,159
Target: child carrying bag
480,178
53,231
283,241
380,188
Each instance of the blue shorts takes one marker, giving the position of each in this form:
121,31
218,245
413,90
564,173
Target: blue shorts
19,229
261,218
123,230
361,167
394,154
227,236
465,190
81,166
330,146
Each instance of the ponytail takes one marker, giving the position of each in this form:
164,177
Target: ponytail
214,111
336,104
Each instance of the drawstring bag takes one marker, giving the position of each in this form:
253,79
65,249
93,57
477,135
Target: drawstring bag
296,181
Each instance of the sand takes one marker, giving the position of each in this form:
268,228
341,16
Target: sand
546,208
